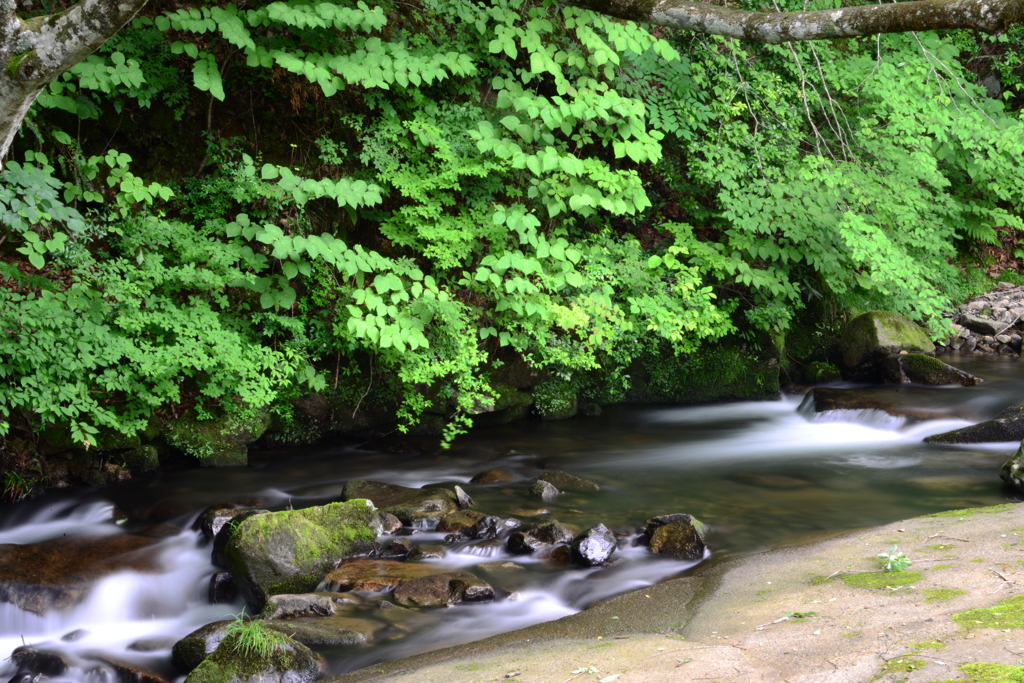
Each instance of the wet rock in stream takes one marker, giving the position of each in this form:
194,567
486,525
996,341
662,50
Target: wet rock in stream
306,604
375,575
442,590
917,368
289,662
389,523
222,589
412,506
492,527
1008,425
495,476
593,547
224,533
399,547
533,537
292,550
191,650
458,521
564,481
679,536
427,551
544,490
57,574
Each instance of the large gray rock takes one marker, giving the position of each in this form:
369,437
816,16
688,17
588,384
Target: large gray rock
983,326
917,368
1006,426
1013,470
409,505
871,336
292,550
288,662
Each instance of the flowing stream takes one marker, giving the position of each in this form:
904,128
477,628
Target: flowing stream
760,474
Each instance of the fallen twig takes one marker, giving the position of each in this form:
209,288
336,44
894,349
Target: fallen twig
777,621
962,540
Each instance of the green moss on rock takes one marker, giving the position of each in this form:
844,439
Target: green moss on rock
231,663
818,372
876,334
291,551
218,442
556,399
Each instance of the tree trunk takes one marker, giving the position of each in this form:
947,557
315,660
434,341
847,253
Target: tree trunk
34,52
988,16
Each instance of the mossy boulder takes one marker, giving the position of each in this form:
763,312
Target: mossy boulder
218,442
876,334
288,662
1006,426
724,371
556,399
1012,471
818,372
917,368
141,460
292,550
407,504
511,404
190,651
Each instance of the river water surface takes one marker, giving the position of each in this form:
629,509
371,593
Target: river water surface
760,474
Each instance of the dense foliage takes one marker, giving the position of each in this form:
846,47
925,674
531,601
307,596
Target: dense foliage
429,189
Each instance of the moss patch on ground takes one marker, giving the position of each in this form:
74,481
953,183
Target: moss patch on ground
980,672
937,594
880,579
901,664
942,566
970,511
1007,614
927,645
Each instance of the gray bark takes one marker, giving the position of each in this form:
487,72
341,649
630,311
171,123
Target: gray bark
36,51
988,16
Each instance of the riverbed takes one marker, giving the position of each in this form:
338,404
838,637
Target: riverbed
760,474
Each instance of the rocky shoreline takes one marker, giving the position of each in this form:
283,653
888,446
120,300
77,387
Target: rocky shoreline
989,324
821,612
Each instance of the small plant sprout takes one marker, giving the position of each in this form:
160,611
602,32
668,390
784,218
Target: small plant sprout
895,561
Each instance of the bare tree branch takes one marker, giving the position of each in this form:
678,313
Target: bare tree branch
988,16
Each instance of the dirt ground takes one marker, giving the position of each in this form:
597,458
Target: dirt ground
730,623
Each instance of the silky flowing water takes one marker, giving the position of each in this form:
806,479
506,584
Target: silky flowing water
760,474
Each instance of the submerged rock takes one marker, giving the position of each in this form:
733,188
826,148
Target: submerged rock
1008,425
874,335
495,476
543,490
888,399
536,536
1012,471
564,481
679,536
594,546
492,527
918,368
443,589
288,662
455,522
292,550
58,574
407,504
327,631
375,575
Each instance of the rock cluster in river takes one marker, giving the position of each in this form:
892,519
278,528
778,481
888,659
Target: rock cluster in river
989,324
